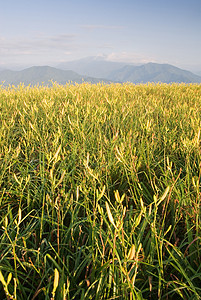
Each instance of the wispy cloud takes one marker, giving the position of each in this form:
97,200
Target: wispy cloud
99,26
23,45
105,46
61,39
129,57
35,48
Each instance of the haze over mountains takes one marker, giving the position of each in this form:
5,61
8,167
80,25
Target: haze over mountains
92,66
43,75
153,72
94,70
122,72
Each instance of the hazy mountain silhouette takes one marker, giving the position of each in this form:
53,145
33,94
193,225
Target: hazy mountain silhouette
102,70
93,66
122,72
153,72
44,75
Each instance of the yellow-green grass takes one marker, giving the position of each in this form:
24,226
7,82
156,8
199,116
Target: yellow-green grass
100,192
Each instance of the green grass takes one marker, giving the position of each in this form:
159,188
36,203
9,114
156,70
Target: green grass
100,192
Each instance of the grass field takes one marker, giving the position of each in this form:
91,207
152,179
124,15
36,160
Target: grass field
100,192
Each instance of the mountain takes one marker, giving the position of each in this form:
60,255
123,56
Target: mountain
122,72
152,72
95,66
44,75
2,69
114,72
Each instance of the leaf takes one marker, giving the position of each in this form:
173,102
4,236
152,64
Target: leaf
56,281
110,214
9,278
61,179
165,193
131,253
2,279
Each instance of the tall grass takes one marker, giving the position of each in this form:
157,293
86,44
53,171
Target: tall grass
100,192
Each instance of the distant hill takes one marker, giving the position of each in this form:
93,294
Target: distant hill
122,72
2,69
92,66
114,72
153,72
44,75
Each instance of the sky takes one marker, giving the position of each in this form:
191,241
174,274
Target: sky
48,32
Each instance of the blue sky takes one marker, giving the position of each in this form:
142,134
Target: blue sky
45,32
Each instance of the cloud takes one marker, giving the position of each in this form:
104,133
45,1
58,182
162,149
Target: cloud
39,43
39,47
105,46
61,39
107,27
129,57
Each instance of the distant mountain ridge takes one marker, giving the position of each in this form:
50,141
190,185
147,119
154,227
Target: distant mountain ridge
44,75
92,66
102,71
152,72
135,73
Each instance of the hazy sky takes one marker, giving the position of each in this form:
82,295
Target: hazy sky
34,32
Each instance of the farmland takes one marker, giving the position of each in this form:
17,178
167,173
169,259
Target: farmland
100,192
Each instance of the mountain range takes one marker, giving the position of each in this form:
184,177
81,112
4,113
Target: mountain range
96,70
92,66
44,75
152,72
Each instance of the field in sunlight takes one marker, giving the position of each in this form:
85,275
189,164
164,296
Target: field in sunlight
100,192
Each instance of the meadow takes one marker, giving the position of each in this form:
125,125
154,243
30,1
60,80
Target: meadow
100,192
